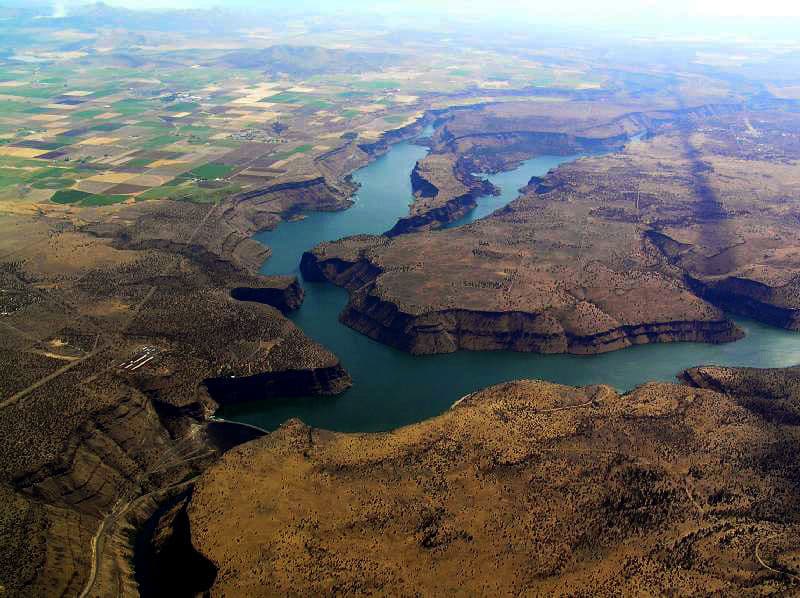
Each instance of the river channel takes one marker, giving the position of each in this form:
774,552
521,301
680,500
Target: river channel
391,388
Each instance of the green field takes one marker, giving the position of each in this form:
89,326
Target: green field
160,141
302,149
47,178
310,101
52,104
182,107
89,113
10,177
34,92
11,107
377,85
53,183
211,171
131,107
69,196
73,196
138,163
103,200
190,192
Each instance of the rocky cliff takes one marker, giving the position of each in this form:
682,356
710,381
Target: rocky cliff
444,193
388,138
448,331
281,292
386,304
753,298
70,487
321,381
264,207
649,244
103,410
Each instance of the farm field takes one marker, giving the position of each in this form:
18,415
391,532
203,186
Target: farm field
194,122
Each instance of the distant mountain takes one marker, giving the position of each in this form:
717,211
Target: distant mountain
308,60
97,15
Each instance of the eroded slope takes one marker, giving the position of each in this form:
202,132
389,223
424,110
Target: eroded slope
526,487
105,352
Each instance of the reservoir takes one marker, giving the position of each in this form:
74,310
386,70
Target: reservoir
392,388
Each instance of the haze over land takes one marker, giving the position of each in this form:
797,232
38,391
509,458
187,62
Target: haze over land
286,290
667,19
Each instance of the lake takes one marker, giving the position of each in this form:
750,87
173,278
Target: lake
392,388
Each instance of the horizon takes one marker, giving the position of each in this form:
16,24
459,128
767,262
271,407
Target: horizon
682,20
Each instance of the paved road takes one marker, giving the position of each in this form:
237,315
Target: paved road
773,569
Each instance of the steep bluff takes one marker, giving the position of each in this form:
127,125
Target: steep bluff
444,193
72,497
265,207
321,381
90,444
281,292
372,311
774,306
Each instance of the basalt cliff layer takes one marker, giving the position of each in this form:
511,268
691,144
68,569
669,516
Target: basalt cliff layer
501,295
281,292
443,193
644,245
498,137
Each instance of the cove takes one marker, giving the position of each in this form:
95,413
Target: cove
510,183
391,388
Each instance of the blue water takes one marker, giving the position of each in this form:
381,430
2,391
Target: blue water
383,198
392,388
510,183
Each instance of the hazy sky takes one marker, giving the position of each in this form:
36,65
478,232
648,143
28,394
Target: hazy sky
666,19
522,8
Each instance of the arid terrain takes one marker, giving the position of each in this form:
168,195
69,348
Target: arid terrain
139,156
554,490
105,353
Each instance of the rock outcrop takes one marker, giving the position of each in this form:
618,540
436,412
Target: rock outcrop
448,331
444,193
388,138
753,298
67,489
281,292
541,309
649,244
781,387
264,207
197,232
321,381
